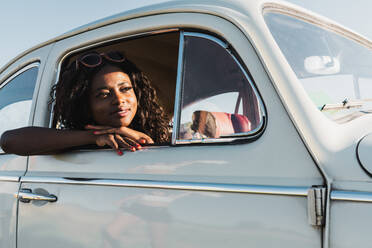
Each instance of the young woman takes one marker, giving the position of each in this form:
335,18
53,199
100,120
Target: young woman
102,99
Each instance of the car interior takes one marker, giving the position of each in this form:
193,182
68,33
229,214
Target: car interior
204,79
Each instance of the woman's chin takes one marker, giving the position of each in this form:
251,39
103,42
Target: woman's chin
121,123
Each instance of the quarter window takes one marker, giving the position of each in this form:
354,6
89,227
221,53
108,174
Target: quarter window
217,97
16,98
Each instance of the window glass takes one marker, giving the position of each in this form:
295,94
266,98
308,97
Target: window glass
217,98
334,70
16,99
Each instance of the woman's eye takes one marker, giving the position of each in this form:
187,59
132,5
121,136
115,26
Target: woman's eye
125,89
103,94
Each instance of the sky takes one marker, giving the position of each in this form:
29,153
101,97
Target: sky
26,23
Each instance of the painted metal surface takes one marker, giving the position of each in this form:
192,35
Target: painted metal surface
351,215
139,217
12,167
162,196
205,199
8,214
350,224
223,163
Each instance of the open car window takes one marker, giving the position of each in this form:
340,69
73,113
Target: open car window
217,98
199,82
155,54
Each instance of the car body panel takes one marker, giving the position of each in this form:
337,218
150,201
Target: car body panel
247,194
217,167
145,217
12,167
8,211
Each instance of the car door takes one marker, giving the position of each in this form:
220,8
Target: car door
239,190
17,91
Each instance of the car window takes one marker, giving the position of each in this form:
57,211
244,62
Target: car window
225,102
334,70
213,83
217,97
155,55
16,98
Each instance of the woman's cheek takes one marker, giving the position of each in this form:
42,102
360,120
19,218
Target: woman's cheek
100,113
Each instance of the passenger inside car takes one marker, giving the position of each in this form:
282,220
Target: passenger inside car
102,99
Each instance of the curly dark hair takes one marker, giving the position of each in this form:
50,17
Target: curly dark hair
71,98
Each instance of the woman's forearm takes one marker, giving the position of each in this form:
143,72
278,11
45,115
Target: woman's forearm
37,140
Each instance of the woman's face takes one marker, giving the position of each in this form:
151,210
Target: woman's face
112,98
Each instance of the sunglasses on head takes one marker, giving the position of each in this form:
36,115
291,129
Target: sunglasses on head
95,59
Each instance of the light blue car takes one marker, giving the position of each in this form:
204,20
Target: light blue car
296,172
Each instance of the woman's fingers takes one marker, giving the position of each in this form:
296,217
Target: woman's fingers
129,143
126,133
132,142
145,140
122,143
133,135
110,141
116,141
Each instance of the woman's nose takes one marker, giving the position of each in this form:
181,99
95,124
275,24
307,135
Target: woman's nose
118,98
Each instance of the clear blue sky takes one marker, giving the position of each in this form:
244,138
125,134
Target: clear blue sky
25,23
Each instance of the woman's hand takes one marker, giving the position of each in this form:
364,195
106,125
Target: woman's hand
117,138
116,142
122,131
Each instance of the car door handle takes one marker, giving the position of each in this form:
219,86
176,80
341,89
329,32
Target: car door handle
26,195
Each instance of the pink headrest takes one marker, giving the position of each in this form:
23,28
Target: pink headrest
216,124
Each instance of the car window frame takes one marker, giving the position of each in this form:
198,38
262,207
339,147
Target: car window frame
233,138
96,45
16,74
237,137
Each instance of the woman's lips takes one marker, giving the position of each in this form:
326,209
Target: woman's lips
121,112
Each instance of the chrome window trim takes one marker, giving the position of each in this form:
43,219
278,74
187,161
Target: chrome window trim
211,187
9,179
20,71
230,138
207,36
177,101
259,100
138,35
354,196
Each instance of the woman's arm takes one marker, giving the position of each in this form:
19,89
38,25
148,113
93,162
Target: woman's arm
37,140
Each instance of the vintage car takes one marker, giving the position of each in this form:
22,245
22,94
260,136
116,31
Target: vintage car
298,176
